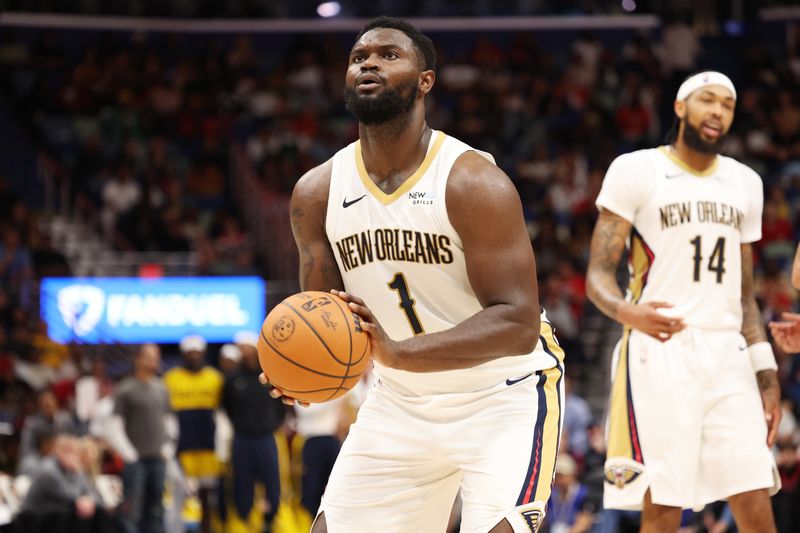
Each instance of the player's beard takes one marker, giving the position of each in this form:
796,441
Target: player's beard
389,104
692,139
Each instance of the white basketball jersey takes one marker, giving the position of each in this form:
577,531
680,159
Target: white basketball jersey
688,228
400,254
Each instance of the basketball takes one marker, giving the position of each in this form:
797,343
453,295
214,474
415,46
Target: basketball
312,347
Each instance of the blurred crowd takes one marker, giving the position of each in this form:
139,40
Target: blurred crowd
143,123
354,8
171,446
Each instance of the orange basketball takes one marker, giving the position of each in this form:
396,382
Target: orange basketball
312,347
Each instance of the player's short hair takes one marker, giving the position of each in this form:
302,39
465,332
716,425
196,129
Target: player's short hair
425,50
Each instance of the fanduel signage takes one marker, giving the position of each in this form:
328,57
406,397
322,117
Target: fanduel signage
132,310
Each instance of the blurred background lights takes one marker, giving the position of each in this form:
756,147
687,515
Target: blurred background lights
329,9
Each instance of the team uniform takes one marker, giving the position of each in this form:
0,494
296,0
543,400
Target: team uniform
491,430
685,418
194,397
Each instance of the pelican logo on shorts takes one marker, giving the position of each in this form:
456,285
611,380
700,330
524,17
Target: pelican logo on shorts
533,518
283,328
327,319
621,475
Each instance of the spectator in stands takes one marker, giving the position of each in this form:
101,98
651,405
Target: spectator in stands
60,499
89,456
46,259
254,416
48,419
15,259
139,434
229,358
577,418
90,389
30,464
319,425
593,471
194,391
569,509
121,192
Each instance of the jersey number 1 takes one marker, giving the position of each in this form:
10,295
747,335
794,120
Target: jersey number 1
716,263
399,284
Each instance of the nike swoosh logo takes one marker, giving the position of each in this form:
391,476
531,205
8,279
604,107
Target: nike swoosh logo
510,382
742,348
347,204
670,176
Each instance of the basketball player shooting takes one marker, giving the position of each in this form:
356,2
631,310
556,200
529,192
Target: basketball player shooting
424,236
694,375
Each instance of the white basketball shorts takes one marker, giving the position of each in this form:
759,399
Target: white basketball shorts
406,457
685,420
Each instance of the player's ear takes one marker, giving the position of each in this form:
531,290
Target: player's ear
680,109
426,80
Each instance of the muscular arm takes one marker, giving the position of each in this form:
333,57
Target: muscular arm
752,327
486,211
753,332
608,243
796,269
318,268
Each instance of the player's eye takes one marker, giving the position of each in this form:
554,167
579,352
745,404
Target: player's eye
391,55
356,58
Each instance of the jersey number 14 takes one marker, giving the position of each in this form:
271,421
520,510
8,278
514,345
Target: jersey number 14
716,261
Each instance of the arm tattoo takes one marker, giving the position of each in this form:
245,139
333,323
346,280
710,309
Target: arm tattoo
306,257
331,276
767,380
752,327
608,244
316,273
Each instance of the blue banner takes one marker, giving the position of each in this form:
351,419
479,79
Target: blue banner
134,310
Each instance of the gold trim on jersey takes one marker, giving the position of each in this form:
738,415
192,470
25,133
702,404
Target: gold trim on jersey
552,432
408,184
550,345
623,436
546,439
641,259
681,163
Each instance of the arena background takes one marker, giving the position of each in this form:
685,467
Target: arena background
158,142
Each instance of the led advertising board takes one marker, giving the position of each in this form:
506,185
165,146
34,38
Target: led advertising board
134,310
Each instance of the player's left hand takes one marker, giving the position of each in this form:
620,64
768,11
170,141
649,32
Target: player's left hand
771,398
787,332
383,349
277,393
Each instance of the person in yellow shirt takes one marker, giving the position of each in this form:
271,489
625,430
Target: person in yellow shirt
195,390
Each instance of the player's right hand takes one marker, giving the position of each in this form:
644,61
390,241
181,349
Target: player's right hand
276,393
787,332
646,318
